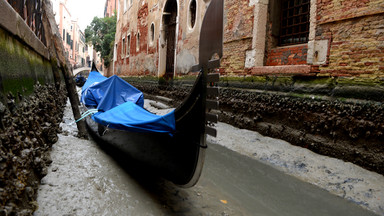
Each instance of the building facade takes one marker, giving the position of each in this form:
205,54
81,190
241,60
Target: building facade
158,38
308,37
290,37
80,49
73,37
110,8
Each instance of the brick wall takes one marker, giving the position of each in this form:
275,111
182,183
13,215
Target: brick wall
233,59
238,20
335,10
292,55
355,31
238,28
356,35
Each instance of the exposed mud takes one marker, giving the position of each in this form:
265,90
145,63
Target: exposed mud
90,179
349,130
28,130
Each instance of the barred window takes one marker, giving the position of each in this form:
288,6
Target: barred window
123,48
128,46
294,25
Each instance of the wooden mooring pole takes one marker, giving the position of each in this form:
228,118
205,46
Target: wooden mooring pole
56,50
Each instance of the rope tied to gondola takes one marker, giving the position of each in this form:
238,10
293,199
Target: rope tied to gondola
89,112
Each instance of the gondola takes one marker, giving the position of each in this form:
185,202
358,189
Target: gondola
176,154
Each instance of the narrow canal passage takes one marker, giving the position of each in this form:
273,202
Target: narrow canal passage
84,180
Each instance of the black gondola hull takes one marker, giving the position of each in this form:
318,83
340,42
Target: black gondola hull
179,156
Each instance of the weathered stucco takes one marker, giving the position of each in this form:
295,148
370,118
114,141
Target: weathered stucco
185,61
151,57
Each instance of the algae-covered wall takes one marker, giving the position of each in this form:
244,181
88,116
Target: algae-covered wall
31,105
20,67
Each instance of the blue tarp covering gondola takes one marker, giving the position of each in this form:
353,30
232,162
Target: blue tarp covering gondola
120,106
129,116
106,93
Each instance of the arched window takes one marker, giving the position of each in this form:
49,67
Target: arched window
138,42
152,33
123,48
128,45
192,13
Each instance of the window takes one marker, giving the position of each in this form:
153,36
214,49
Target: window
138,42
294,26
123,47
115,52
63,34
125,5
128,45
152,33
192,13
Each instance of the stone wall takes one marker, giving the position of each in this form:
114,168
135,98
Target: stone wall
31,109
32,100
21,67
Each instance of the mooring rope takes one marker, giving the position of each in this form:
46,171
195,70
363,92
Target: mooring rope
89,112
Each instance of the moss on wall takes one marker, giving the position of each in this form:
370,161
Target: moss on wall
367,88
21,67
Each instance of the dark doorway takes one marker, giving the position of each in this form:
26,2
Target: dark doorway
169,22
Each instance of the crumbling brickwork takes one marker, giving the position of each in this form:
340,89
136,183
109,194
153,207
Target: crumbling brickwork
338,10
356,33
238,28
293,55
233,59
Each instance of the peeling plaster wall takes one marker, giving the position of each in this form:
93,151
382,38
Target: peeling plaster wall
185,61
148,60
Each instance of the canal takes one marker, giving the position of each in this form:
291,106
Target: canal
83,179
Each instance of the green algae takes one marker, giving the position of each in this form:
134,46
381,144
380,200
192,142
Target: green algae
21,67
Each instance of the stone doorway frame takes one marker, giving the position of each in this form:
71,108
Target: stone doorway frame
164,38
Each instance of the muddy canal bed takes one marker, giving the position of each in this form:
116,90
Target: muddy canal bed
343,128
84,180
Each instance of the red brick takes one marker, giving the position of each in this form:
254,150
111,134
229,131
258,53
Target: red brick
369,63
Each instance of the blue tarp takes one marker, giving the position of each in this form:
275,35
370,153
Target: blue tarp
129,116
106,93
120,106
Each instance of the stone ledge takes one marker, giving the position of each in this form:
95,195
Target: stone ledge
285,70
12,22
